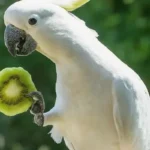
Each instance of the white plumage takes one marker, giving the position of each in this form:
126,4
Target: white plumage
101,103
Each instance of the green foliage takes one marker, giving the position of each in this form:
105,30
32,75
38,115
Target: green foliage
123,26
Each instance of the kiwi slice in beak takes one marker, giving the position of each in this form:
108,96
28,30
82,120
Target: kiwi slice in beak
15,84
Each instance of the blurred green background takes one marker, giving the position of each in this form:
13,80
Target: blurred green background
123,26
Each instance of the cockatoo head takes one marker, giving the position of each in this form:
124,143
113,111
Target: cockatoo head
29,24
38,24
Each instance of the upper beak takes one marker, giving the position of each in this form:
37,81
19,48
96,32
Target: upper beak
12,37
18,42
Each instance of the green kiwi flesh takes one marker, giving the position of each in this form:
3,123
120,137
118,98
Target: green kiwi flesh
15,83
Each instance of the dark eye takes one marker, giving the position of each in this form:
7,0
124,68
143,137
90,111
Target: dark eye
32,21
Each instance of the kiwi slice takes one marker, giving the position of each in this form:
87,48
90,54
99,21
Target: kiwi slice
15,84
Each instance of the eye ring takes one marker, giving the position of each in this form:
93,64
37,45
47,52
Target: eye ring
32,21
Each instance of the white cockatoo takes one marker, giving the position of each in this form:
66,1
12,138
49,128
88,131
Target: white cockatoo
101,103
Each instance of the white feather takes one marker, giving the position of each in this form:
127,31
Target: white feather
55,134
91,31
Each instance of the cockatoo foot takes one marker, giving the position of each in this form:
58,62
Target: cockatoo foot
38,107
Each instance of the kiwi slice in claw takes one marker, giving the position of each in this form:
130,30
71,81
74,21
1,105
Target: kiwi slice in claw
15,84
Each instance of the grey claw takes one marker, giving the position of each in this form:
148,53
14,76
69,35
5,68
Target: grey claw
34,93
39,119
36,108
38,105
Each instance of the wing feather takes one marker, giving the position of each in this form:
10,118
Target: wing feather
131,113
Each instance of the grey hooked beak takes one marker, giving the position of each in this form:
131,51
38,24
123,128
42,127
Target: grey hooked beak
18,42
